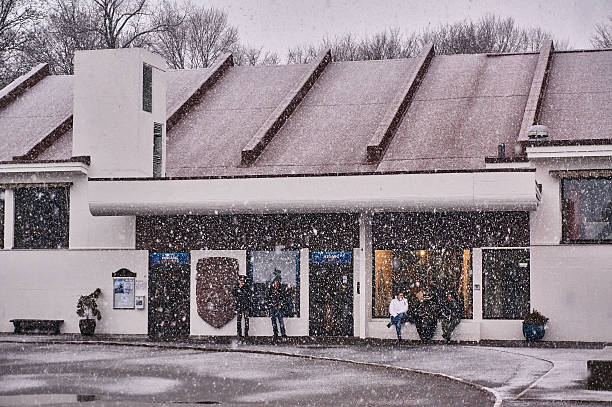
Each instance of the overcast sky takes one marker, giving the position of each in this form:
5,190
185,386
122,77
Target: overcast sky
277,25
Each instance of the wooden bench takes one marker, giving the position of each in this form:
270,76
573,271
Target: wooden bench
600,374
44,326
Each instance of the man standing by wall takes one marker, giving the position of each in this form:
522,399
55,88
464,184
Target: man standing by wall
242,294
277,298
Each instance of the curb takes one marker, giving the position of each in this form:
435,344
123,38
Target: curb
498,398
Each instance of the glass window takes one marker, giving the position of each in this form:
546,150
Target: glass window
265,267
41,218
2,218
505,283
147,88
157,149
587,209
441,270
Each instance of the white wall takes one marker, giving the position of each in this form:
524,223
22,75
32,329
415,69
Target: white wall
85,230
99,232
258,326
109,122
545,222
46,284
572,285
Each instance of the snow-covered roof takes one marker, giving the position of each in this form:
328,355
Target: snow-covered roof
464,106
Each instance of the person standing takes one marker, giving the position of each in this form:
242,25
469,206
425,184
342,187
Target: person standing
397,310
277,298
452,312
242,295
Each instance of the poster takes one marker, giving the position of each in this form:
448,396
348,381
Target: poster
123,292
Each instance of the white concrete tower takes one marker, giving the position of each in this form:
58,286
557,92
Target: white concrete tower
120,112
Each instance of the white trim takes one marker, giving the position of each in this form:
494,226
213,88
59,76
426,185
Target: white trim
540,152
493,191
508,165
33,167
9,219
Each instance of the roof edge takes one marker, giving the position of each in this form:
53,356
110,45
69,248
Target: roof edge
390,122
279,116
217,70
21,84
83,159
44,143
538,86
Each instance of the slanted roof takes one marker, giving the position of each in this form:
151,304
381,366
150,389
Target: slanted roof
331,128
462,108
34,114
465,107
209,139
578,102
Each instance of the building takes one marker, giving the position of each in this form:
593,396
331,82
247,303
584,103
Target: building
348,180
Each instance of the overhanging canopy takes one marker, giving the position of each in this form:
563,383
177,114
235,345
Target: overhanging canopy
469,191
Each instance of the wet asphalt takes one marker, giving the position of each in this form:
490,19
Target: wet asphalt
54,374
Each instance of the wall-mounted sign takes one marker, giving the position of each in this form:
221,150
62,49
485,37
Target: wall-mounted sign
331,257
170,258
123,289
140,302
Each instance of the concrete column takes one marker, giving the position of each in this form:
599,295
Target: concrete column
477,284
365,273
9,218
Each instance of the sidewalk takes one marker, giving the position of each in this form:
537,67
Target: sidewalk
512,373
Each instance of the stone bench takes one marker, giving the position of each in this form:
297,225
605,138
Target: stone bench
45,326
600,374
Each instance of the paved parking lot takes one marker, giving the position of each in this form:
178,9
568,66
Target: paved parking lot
113,375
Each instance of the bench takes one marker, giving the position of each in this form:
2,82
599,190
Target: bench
600,374
46,326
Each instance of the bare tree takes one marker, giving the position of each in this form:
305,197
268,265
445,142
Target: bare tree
489,34
602,38
124,23
193,36
17,20
68,26
245,55
382,45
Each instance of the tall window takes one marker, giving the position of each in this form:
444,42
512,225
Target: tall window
1,218
147,88
440,270
157,149
41,217
505,283
587,210
265,267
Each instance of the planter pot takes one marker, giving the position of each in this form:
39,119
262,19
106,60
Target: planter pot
533,332
87,326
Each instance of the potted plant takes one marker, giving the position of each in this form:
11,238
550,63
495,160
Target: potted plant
534,326
87,308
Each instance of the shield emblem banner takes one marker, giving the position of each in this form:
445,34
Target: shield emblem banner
215,278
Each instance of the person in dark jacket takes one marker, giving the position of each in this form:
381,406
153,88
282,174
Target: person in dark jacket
242,294
276,300
452,312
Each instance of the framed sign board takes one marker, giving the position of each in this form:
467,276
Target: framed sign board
124,282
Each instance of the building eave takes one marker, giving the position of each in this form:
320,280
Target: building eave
468,191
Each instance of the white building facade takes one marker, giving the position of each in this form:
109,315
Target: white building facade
351,181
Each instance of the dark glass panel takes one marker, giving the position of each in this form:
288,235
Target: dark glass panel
41,218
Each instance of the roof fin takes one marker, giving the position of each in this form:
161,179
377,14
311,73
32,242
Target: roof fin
279,116
393,117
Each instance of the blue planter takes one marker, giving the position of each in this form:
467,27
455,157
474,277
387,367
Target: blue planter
534,332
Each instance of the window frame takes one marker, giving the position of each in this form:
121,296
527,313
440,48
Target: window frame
17,243
564,212
147,88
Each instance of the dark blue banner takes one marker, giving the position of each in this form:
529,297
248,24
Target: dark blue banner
170,258
332,257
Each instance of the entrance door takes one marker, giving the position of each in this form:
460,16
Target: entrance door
331,299
169,295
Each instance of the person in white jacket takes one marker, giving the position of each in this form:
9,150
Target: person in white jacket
398,309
